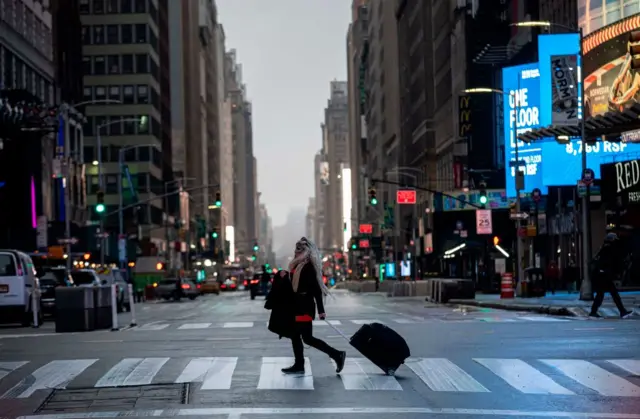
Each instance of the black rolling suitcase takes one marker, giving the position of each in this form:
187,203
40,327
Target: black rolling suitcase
379,344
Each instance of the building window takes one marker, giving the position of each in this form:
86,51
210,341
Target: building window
88,154
127,64
86,65
129,126
144,154
114,93
116,125
112,6
112,34
126,6
86,35
99,67
127,34
101,92
87,93
98,7
141,6
143,93
84,7
98,35
128,94
113,63
141,33
142,63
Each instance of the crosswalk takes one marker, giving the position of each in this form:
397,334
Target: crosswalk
157,326
553,377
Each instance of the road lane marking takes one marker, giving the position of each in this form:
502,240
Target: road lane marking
629,365
8,367
542,319
230,338
360,322
215,373
594,377
522,376
440,374
232,325
234,412
405,321
272,378
323,322
132,372
361,374
55,374
150,326
594,328
191,326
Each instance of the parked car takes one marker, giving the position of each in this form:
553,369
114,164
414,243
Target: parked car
177,289
255,285
210,286
52,279
18,284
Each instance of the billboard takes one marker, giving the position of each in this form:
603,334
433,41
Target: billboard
549,48
547,162
611,82
521,86
564,90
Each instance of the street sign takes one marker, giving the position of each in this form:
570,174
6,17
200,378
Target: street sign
406,196
366,228
42,239
72,240
484,221
519,216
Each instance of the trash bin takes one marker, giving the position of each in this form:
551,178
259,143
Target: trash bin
535,285
102,304
74,309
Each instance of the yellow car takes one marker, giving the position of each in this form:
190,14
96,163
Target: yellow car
210,286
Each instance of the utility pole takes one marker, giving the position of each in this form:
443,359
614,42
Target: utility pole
66,183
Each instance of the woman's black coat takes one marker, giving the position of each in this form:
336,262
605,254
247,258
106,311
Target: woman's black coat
309,294
280,302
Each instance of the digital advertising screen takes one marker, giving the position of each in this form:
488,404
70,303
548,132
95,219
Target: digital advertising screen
550,46
521,87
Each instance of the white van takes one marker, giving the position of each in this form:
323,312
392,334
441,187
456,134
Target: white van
18,281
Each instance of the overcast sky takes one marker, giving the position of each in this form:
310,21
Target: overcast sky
290,50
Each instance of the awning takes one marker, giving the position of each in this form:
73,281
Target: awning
612,122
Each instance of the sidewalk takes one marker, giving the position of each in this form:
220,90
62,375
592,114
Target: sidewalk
560,304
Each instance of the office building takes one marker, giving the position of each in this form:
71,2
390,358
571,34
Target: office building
126,59
321,179
309,229
596,14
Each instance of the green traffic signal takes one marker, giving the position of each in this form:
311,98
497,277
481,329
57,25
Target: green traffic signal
256,248
214,234
374,201
353,246
483,199
266,265
100,208
253,257
218,203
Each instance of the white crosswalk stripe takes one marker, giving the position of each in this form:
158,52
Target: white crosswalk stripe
195,326
572,377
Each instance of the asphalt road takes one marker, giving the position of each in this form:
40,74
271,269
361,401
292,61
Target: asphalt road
214,358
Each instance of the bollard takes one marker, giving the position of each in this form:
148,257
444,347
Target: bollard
132,307
34,308
114,307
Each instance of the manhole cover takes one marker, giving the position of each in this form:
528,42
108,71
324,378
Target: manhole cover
153,396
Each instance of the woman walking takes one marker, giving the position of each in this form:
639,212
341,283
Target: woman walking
305,271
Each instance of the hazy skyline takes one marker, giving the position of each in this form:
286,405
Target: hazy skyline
290,50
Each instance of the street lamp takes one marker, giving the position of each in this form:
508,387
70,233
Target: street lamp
586,291
480,90
100,177
65,109
122,243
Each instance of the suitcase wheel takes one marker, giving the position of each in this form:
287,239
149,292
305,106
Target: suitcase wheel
391,372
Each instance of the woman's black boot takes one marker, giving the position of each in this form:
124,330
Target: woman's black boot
339,358
296,368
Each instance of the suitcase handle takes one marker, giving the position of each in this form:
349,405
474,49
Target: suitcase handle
338,331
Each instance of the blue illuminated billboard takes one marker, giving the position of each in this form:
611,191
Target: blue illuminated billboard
547,162
521,87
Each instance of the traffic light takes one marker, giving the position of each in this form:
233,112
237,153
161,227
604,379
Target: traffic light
373,199
483,194
214,234
266,265
218,199
354,246
256,247
253,258
100,202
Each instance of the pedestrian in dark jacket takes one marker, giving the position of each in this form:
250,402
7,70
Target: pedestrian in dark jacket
282,319
309,290
608,263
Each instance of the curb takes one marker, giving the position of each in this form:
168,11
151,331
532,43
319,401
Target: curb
556,311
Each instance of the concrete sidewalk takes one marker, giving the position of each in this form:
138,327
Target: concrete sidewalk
560,304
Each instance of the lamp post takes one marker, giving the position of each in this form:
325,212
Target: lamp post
586,291
65,109
122,247
402,170
100,177
519,268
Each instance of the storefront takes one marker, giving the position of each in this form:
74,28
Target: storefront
621,196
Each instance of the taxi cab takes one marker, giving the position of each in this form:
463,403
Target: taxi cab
210,286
